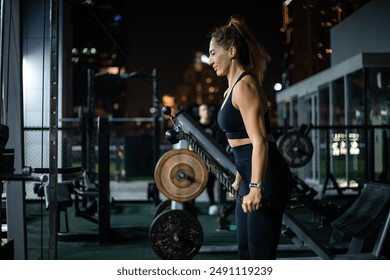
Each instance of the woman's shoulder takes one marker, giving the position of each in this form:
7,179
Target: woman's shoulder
247,91
246,86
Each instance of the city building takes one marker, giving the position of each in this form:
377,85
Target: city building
306,30
347,104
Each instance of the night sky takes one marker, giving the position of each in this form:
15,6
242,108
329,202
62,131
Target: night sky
166,39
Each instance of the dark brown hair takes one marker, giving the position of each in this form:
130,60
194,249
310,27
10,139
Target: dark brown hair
253,56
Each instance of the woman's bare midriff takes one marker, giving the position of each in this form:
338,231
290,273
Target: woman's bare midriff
244,141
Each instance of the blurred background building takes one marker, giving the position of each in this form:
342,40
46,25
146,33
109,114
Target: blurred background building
306,29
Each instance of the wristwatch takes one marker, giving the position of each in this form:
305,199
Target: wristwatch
256,185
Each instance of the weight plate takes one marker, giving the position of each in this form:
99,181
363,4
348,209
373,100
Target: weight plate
176,235
296,148
180,175
162,206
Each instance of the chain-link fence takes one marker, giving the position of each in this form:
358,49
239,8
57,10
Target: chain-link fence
131,154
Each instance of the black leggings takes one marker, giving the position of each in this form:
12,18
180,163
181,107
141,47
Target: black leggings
258,232
210,188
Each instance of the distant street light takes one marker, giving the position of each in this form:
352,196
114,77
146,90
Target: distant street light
277,86
204,58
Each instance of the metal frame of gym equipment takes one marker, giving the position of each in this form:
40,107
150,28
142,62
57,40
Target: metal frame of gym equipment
101,192
53,170
16,194
220,156
88,127
7,175
368,216
341,218
176,233
53,132
88,188
10,113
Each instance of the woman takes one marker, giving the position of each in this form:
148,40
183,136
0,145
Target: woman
263,178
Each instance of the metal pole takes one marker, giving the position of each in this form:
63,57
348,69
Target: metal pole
157,132
157,116
2,102
91,134
2,94
53,152
104,179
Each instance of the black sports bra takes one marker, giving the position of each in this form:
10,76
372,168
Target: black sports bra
230,119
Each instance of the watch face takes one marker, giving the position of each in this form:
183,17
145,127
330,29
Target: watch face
296,148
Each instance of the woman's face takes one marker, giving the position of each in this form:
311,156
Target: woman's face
219,58
204,112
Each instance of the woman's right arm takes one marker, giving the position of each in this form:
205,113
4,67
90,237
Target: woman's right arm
236,184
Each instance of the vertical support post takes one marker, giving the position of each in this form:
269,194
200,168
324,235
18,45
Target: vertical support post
370,154
1,219
2,107
157,131
91,125
83,133
2,93
53,150
12,114
156,119
104,180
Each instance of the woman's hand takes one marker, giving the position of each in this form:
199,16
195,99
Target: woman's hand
236,186
252,201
